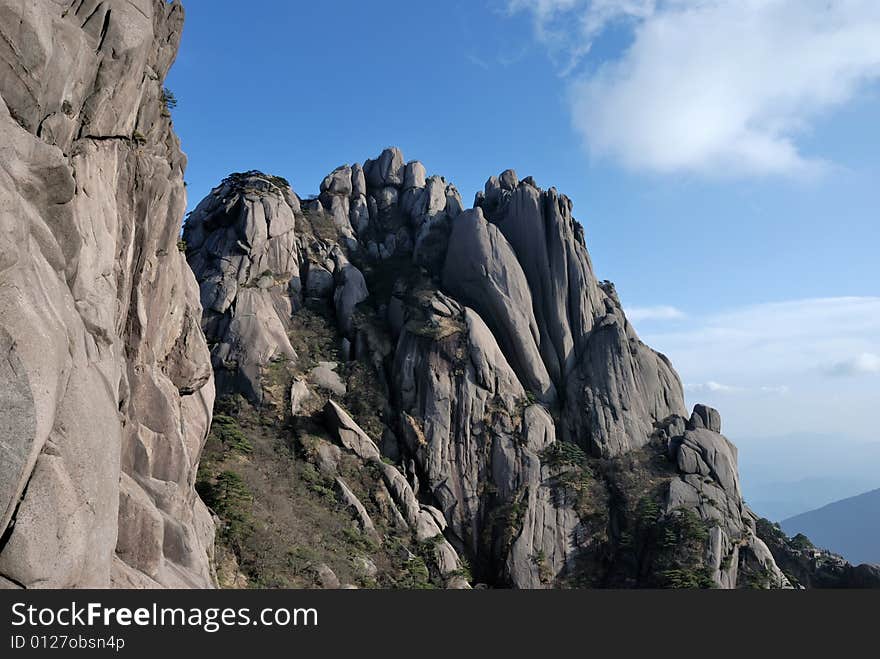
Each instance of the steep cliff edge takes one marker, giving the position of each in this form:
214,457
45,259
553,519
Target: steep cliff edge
106,386
486,370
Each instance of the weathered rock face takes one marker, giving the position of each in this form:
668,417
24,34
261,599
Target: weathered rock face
482,270
409,214
425,522
467,423
105,380
241,244
494,347
610,386
260,253
708,484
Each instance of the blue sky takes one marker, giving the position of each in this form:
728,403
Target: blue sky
723,157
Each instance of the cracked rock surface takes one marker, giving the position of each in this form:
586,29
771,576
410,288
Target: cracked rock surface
105,378
507,374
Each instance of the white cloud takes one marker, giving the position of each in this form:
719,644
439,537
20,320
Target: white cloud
661,312
570,40
865,363
473,59
553,17
717,387
767,367
718,87
758,342
779,389
711,385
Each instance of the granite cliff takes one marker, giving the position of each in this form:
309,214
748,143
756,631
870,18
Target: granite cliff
509,395
106,388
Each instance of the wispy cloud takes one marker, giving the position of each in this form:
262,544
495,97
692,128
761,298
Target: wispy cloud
864,364
711,385
473,59
779,389
717,387
800,336
661,312
714,87
568,27
503,59
768,366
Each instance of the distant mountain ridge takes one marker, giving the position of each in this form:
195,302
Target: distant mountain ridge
849,527
784,476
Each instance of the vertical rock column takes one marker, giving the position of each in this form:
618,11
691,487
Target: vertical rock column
104,364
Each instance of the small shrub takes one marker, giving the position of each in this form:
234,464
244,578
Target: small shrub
227,431
545,572
769,530
697,577
727,562
759,578
169,100
322,491
230,498
562,454
688,528
240,178
417,576
648,510
572,473
464,571
802,543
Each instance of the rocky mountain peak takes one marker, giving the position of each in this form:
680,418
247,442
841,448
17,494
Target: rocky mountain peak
495,353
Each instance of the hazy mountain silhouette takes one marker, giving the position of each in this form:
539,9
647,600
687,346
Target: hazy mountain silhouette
786,475
849,527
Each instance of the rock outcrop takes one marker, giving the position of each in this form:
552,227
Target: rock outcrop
260,253
241,245
708,484
425,522
610,387
808,566
465,419
105,381
502,364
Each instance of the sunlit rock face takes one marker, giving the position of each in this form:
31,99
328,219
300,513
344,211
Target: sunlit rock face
493,343
105,379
